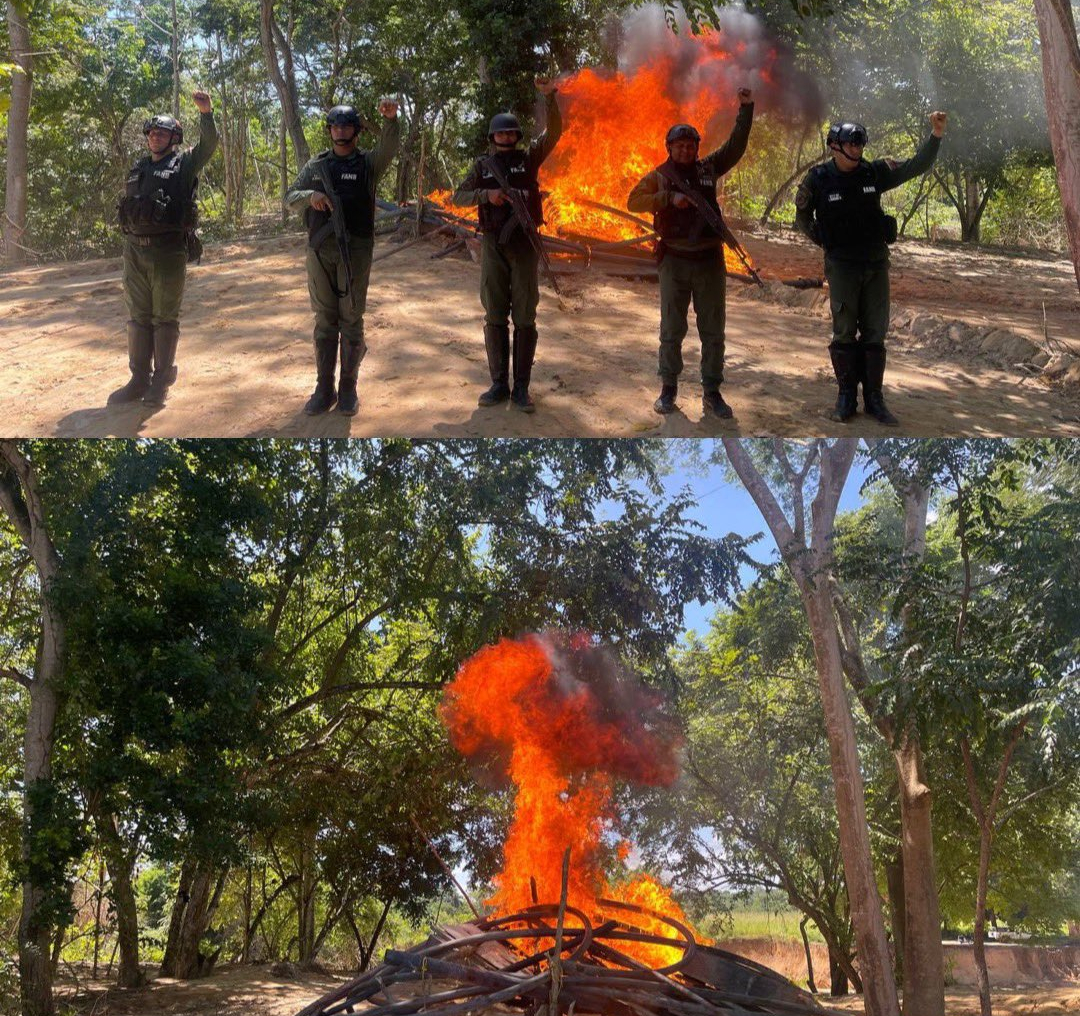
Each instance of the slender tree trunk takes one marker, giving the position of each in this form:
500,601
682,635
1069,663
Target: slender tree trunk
122,893
811,567
894,884
924,958
1061,82
18,124
20,499
306,910
809,958
194,924
284,82
174,49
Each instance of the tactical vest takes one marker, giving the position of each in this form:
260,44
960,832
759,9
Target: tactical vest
515,165
848,207
355,191
155,202
688,224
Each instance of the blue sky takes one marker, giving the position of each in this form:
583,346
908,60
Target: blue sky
725,507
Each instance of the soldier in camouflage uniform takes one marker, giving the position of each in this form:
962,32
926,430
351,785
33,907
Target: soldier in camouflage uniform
839,207
355,175
691,254
157,215
509,287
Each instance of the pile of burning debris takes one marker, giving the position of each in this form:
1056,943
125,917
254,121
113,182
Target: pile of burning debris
568,253
538,963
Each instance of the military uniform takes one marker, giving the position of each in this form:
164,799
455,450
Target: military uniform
157,213
355,178
691,257
841,212
509,285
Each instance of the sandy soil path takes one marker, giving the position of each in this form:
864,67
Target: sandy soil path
245,359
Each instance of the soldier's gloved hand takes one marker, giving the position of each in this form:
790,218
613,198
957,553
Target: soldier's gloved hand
937,123
320,202
496,197
680,200
388,108
202,101
745,96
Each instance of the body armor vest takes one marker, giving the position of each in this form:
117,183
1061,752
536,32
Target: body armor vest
516,167
154,201
355,191
688,224
848,208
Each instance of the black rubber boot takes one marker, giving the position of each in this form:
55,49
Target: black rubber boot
352,353
665,403
872,378
524,354
324,396
846,362
140,357
166,338
713,402
497,346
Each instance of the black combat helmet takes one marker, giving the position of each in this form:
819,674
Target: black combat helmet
847,134
504,122
343,116
166,123
682,132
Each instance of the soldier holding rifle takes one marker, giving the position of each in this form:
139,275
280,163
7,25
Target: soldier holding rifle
505,188
681,194
336,189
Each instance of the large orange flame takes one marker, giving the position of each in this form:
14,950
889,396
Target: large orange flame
555,717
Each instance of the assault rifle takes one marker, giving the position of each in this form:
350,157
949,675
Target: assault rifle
521,213
337,223
713,219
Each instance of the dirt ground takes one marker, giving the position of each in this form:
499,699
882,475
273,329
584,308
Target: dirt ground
254,991
245,361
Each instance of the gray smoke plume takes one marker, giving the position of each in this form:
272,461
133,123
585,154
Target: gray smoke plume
752,56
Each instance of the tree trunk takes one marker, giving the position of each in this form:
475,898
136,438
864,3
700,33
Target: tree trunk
812,568
982,974
894,884
176,919
284,82
120,864
18,123
924,958
21,501
1061,82
193,925
838,979
305,941
809,958
871,945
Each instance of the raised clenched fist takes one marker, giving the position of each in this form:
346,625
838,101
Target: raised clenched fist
937,123
202,101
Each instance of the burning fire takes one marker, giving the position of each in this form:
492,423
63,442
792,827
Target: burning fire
614,123
554,715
